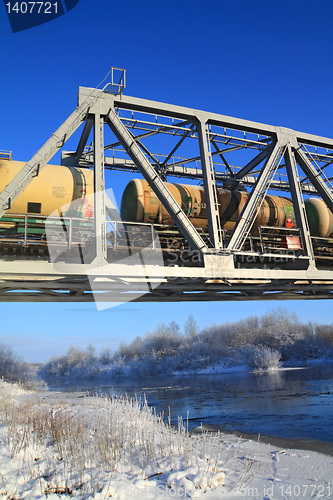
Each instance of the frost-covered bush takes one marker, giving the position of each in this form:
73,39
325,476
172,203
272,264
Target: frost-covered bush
261,358
75,363
13,369
260,342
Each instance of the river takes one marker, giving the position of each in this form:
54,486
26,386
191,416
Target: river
291,403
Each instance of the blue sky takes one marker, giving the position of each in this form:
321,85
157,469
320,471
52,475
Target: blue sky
268,61
39,331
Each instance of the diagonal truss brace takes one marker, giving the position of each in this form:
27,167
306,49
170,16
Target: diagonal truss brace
253,163
149,173
314,177
46,152
247,217
83,140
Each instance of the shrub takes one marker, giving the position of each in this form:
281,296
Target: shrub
13,369
262,358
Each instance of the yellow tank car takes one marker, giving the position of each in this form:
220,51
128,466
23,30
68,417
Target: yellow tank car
55,187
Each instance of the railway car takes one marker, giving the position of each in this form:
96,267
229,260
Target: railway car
58,186
55,187
140,204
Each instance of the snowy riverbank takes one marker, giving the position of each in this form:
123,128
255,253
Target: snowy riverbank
55,445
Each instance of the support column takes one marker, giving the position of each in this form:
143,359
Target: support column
299,207
99,196
213,216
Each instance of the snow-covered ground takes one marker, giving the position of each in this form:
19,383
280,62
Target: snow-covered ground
55,445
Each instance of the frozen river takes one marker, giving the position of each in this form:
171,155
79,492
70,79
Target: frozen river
291,403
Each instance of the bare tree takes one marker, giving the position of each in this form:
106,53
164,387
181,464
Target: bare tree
191,327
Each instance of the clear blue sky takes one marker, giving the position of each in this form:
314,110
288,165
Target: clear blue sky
268,61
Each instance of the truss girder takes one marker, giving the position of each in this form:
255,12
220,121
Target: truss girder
99,188
250,209
253,163
46,152
214,224
216,277
179,143
179,170
216,119
298,203
83,140
177,126
220,153
67,291
154,180
315,177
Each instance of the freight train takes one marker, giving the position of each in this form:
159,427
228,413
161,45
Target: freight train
59,186
140,204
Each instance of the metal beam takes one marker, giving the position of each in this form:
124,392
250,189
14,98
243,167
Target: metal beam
249,212
99,196
145,149
298,203
153,132
179,143
154,180
153,107
213,216
222,157
32,168
249,294
83,140
180,170
314,177
253,163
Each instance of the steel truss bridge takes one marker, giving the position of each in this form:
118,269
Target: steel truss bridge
216,150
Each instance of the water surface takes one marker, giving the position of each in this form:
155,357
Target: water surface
295,403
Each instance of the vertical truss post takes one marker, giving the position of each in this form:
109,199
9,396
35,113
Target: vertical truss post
299,206
213,215
248,214
99,196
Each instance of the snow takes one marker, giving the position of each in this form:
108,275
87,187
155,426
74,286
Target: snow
59,446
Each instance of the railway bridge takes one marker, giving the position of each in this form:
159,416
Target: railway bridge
233,250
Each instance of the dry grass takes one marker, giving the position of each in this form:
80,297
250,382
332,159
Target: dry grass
78,449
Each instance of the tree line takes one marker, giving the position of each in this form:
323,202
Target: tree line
259,343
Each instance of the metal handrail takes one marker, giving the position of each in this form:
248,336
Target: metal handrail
261,231
5,155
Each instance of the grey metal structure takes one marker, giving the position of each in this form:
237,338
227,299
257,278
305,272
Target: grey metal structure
221,151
